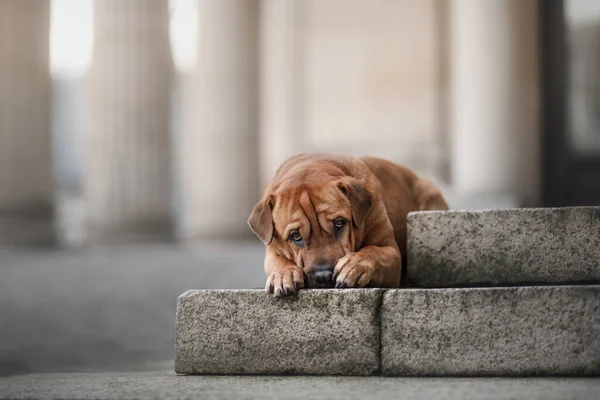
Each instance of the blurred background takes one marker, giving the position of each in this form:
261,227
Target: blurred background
137,135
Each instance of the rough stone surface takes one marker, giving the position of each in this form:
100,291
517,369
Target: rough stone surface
504,247
166,385
329,332
552,330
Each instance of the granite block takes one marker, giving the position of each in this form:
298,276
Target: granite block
514,331
317,332
504,247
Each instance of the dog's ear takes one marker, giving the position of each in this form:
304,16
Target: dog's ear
261,220
360,200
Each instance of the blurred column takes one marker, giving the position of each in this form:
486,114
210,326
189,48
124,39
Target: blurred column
279,84
494,62
127,181
26,189
218,147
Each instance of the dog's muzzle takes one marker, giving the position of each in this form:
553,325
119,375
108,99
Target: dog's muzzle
321,276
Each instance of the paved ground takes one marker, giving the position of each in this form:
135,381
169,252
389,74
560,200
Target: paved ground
107,307
167,385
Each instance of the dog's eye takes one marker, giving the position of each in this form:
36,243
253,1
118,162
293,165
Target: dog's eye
296,237
339,225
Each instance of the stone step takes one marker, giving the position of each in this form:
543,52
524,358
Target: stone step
317,332
504,247
515,331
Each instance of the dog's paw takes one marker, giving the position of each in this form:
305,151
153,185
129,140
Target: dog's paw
285,281
354,271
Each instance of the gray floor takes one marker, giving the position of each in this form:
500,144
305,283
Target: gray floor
110,307
166,385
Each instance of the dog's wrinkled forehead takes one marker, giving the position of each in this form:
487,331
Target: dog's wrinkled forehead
308,207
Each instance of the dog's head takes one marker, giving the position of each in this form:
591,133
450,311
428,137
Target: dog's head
312,220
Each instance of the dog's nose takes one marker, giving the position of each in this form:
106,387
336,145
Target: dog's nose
321,276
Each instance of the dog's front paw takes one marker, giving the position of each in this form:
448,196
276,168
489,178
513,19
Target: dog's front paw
285,281
355,271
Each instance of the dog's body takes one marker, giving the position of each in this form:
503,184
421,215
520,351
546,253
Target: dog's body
329,219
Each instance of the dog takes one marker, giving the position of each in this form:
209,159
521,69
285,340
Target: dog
338,221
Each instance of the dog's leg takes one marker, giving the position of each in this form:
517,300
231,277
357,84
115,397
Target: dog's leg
377,262
377,266
284,277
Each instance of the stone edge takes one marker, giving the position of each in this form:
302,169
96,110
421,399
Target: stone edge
380,371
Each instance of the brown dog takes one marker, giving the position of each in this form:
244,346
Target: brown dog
331,220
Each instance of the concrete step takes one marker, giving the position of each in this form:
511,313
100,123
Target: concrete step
164,384
516,331
318,332
504,247
520,331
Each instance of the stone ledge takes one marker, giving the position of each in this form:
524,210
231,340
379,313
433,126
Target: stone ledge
514,331
504,247
518,331
321,332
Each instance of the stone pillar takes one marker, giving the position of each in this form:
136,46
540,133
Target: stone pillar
494,101
218,146
127,181
279,24
26,188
